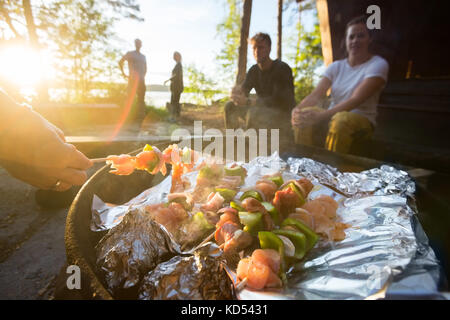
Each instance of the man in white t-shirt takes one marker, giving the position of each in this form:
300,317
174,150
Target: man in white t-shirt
137,68
356,83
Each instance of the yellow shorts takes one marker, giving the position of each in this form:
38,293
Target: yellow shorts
344,129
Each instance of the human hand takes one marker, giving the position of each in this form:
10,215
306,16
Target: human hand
238,97
302,117
35,151
295,117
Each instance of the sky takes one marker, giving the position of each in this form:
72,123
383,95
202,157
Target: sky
189,26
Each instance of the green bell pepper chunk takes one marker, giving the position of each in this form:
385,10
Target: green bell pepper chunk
297,238
251,194
272,211
209,173
269,240
311,236
183,202
297,191
252,221
278,180
150,164
236,206
227,194
235,171
200,220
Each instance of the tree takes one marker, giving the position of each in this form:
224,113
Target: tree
79,31
200,85
242,56
31,26
280,28
307,53
229,31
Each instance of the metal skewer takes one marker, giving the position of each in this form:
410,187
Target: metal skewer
96,160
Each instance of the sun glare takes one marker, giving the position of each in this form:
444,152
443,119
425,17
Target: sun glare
24,66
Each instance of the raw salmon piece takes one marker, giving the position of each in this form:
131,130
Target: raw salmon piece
242,268
286,201
214,202
227,217
230,182
314,207
330,205
303,217
257,276
172,154
252,205
268,257
273,281
239,241
122,165
267,187
225,232
306,186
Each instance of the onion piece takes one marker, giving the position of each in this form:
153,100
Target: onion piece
301,210
289,248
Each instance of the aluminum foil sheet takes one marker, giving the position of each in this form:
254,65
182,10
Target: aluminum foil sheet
131,249
197,276
385,249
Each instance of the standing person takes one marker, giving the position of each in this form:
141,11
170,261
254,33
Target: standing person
356,83
137,69
176,87
274,86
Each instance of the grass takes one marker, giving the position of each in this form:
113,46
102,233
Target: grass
157,114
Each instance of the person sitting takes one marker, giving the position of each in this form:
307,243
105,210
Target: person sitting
356,83
273,83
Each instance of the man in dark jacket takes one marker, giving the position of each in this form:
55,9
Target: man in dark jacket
176,87
273,83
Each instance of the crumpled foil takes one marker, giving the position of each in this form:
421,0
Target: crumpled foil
197,276
131,249
385,250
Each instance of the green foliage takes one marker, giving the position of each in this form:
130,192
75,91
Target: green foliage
229,31
81,31
200,85
156,114
81,34
307,56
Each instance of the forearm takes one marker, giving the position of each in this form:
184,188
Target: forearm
309,101
346,105
10,112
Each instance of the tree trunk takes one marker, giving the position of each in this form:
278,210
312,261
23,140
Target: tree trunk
42,86
280,27
8,21
245,27
31,27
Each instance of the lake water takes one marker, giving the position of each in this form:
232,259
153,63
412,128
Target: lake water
154,98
